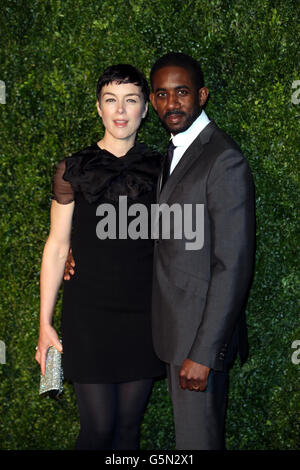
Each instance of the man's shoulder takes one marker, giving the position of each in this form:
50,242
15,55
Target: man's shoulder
225,155
221,140
219,150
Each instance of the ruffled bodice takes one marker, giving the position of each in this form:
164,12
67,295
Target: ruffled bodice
96,173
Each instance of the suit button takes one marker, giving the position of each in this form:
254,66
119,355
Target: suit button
156,242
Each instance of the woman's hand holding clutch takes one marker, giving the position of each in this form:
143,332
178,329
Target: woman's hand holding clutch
48,337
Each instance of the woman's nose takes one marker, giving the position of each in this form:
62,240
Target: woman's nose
121,108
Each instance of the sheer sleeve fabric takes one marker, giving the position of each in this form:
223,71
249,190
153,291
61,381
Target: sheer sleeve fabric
62,190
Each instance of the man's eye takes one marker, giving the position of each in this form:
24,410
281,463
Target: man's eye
182,92
161,94
130,100
109,100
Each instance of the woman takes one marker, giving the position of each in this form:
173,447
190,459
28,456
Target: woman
106,324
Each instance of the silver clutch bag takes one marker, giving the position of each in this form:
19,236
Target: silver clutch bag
52,381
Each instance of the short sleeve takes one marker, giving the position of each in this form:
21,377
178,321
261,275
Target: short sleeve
62,190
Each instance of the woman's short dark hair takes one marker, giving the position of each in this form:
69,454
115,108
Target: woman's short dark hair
123,73
179,59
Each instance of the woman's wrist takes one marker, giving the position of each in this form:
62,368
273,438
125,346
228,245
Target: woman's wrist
45,323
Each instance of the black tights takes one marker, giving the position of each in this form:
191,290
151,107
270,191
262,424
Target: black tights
111,414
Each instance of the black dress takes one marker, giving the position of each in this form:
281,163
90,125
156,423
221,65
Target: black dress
106,313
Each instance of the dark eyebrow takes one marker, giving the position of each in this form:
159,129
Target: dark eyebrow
129,94
176,88
182,86
132,94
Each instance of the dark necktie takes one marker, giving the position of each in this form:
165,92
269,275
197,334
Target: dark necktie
167,163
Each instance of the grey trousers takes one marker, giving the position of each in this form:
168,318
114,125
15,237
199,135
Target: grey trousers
199,417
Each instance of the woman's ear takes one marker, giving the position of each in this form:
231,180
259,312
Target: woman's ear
152,99
99,108
145,111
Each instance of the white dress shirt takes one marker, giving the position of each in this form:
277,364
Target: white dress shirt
184,139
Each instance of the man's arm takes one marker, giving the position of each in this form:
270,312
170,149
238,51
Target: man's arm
230,192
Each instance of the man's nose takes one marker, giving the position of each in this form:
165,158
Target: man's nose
173,102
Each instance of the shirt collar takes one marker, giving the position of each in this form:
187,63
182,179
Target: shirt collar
184,139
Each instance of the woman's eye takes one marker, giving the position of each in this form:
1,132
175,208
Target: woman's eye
130,100
109,100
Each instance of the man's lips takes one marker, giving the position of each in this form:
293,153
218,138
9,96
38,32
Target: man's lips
120,122
174,117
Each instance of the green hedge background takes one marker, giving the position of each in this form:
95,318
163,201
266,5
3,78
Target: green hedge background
52,53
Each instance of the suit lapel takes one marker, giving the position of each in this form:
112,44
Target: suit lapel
192,153
159,184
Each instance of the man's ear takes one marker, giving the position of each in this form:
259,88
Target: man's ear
99,108
152,99
203,95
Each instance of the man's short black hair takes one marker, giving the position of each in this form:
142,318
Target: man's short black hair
179,59
123,73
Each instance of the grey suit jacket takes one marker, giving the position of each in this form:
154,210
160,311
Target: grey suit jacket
199,296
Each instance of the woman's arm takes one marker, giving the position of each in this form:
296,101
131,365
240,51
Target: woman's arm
52,269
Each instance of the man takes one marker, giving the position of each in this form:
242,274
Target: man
199,296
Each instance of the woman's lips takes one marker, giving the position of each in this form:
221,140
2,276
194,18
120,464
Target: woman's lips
120,123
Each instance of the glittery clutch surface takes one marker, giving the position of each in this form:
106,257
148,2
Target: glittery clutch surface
52,381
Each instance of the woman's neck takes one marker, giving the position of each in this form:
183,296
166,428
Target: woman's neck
117,147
